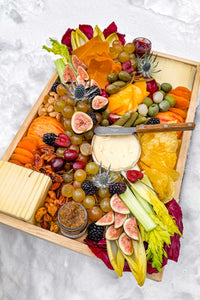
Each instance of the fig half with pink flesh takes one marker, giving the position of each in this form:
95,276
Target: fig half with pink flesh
107,219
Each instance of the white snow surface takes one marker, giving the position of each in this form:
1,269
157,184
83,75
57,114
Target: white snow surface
31,268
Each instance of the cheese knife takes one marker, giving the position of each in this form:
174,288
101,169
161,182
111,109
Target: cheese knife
117,130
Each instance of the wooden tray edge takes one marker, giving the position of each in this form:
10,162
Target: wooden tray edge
74,244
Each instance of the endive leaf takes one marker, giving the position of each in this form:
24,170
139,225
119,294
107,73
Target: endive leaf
112,250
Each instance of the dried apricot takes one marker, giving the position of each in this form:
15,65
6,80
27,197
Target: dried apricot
24,152
21,158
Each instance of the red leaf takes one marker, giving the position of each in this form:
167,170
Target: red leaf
66,39
87,30
110,29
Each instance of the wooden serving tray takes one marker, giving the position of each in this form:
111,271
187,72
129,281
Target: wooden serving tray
175,67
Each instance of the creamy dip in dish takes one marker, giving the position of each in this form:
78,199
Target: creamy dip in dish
120,151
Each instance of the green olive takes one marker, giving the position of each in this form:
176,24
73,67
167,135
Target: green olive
104,122
112,89
124,76
112,77
166,87
119,83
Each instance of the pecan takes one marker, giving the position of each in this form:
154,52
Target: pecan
45,225
48,156
45,148
38,161
55,186
54,228
62,200
47,218
56,178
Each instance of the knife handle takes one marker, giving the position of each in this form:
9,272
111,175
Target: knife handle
165,127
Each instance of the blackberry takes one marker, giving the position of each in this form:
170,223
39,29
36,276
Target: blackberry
54,86
117,188
79,91
95,232
93,117
153,121
49,139
93,91
88,187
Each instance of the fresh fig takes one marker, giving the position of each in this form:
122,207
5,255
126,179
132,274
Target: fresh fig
99,103
82,73
118,205
81,122
107,219
131,229
69,74
112,233
76,62
126,244
119,220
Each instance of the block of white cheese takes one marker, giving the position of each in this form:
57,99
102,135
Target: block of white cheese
175,72
22,191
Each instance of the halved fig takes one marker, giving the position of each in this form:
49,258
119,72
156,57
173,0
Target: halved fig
119,219
118,205
99,103
112,233
131,229
68,74
82,73
107,219
126,244
81,122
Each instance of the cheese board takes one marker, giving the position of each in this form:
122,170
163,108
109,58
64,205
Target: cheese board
175,68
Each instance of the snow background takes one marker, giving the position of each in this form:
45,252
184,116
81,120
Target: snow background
31,268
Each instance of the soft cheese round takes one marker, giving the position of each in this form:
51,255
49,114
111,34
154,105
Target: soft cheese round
121,152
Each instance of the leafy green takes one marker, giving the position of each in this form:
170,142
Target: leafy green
60,49
165,224
60,66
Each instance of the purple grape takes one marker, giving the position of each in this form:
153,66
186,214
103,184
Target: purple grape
70,155
78,165
57,164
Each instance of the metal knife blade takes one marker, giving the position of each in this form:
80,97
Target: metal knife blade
110,130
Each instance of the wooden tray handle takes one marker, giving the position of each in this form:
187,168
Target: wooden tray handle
165,127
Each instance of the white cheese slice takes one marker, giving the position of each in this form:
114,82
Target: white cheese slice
22,191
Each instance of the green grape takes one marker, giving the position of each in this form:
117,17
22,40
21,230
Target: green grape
129,48
59,105
123,56
67,124
95,213
78,195
68,177
67,190
105,204
76,184
70,101
76,139
99,117
74,147
69,133
89,202
68,111
80,175
92,168
61,91
86,149
60,152
104,192
82,106
89,135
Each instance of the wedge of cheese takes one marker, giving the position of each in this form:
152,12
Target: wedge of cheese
22,191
